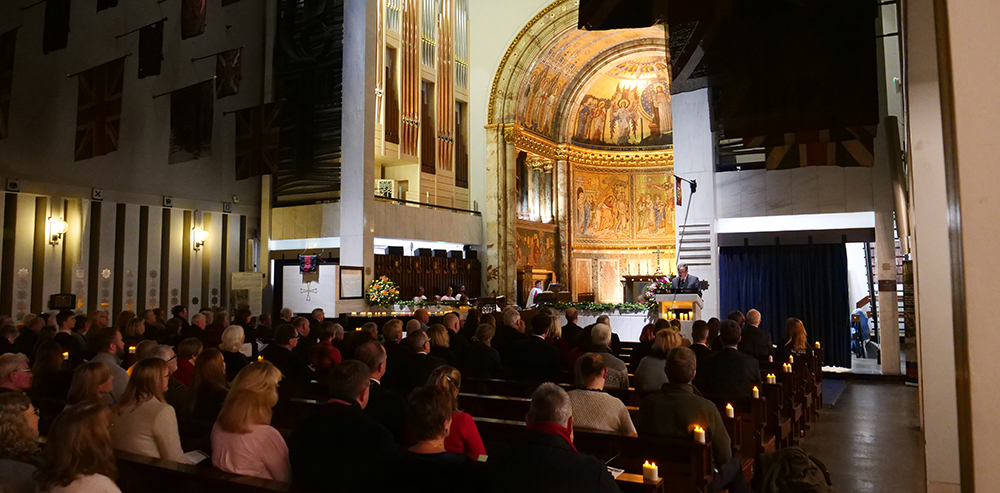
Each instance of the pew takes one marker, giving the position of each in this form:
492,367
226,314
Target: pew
140,474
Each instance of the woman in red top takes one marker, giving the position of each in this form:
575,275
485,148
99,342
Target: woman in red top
464,436
324,355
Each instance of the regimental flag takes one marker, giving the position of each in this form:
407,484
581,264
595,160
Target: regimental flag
678,191
55,34
228,73
99,109
150,49
257,131
191,112
192,18
106,4
8,41
845,147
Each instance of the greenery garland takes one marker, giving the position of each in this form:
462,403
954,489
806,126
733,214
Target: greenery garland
604,307
420,304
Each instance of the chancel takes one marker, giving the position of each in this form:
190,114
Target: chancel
531,246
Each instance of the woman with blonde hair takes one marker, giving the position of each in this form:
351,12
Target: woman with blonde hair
18,443
144,423
90,381
243,440
78,452
232,342
795,341
650,376
132,332
441,343
464,436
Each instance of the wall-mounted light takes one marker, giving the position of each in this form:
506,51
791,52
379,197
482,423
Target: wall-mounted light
198,237
57,228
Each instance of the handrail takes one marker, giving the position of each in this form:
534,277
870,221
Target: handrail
422,204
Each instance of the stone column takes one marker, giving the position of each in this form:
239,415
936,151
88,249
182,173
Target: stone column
264,261
561,204
357,190
509,214
492,209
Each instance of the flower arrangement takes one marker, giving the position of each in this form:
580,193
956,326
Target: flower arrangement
658,286
382,292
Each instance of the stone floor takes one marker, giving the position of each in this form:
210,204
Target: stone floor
871,439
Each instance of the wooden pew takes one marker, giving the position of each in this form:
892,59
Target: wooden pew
140,474
503,407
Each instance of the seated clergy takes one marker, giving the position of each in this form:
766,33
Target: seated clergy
676,409
594,409
340,448
545,460
728,372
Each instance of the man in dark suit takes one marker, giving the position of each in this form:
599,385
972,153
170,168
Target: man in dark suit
755,342
684,282
534,358
699,341
730,373
510,332
458,342
670,412
417,368
571,330
341,447
293,367
307,340
545,459
385,407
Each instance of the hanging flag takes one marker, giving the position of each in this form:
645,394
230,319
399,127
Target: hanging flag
678,191
99,108
150,49
192,18
7,43
55,33
191,111
228,73
106,4
257,132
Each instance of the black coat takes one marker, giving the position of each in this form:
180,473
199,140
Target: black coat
533,359
387,408
342,449
481,361
295,371
505,337
729,373
417,368
571,332
542,462
756,343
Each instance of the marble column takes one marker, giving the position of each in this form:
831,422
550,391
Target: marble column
357,227
492,210
561,204
509,172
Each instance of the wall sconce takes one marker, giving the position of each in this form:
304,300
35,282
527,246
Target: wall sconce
198,236
57,228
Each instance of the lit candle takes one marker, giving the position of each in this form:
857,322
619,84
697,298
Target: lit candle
770,359
131,350
650,472
730,412
791,359
260,358
65,356
756,393
699,434
817,344
354,314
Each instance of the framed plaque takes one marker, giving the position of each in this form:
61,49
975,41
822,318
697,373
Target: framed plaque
352,283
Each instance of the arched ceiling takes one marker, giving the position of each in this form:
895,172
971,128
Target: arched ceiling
601,72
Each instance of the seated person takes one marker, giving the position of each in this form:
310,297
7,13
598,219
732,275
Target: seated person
15,375
78,452
448,295
617,371
795,342
545,459
649,375
90,381
324,355
295,370
417,368
534,358
143,423
232,344
177,394
18,443
594,409
243,440
728,372
187,351
441,343
464,436
427,464
481,360
420,297
675,409
341,445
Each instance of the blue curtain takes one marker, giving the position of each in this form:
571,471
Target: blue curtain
808,282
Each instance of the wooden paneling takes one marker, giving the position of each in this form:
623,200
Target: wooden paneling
433,273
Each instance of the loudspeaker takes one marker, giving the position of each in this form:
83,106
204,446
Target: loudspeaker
394,250
423,252
441,253
63,301
599,15
455,254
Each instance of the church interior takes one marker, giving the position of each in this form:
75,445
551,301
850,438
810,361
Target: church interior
361,187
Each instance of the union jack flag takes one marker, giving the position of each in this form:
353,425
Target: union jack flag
257,131
228,73
99,108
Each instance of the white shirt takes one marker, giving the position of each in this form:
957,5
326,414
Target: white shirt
531,296
420,298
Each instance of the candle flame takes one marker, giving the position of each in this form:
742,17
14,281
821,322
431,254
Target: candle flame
755,388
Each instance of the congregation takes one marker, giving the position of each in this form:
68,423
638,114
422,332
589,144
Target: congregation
302,401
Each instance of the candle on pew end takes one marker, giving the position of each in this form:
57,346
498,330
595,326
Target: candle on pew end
756,393
650,472
65,356
131,350
817,344
260,358
354,314
730,412
791,359
770,359
699,434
